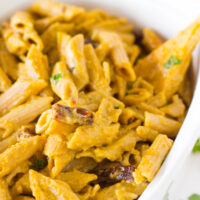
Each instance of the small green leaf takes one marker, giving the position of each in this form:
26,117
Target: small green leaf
117,107
172,61
196,147
194,197
38,164
126,93
56,77
164,159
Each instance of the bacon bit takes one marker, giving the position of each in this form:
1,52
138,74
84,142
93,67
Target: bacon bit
73,115
24,133
115,174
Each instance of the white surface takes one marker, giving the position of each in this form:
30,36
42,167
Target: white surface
166,17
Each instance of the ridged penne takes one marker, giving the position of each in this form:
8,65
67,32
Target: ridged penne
51,8
22,21
76,61
152,159
18,153
4,191
146,133
36,64
20,91
41,187
22,33
24,113
49,36
58,153
96,73
21,186
163,124
89,136
21,169
8,142
63,86
151,40
5,82
76,179
176,108
175,60
7,61
114,151
118,53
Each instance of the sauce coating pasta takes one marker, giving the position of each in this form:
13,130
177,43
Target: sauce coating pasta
87,111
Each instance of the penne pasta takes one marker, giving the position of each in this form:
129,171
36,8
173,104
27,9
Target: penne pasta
62,83
152,159
20,91
4,191
118,53
88,109
51,8
41,187
36,64
77,180
76,61
24,113
5,82
49,36
7,61
175,60
151,40
12,157
163,124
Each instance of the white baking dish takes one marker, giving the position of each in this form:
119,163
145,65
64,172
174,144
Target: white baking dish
167,21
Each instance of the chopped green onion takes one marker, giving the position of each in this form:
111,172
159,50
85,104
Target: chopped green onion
56,77
38,164
172,61
117,107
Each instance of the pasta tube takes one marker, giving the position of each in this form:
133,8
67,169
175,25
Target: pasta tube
18,153
20,91
153,159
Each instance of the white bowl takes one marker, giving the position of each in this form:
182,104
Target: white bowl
166,20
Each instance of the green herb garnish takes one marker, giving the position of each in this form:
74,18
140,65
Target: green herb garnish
126,93
50,64
56,77
172,61
38,164
196,147
117,107
164,159
194,197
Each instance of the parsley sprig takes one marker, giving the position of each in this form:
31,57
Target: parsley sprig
196,147
56,77
194,197
172,61
38,164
